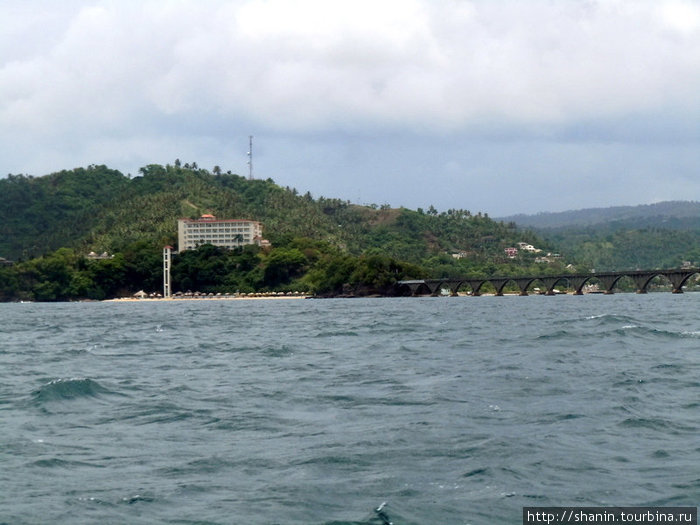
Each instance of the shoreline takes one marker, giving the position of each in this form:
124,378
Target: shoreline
201,298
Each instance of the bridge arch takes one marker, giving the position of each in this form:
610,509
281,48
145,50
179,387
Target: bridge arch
642,281
476,285
413,288
676,278
498,284
550,283
437,285
577,282
471,286
609,281
680,279
524,283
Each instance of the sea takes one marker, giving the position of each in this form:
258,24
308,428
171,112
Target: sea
409,411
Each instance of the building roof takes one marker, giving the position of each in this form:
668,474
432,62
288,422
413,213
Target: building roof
211,218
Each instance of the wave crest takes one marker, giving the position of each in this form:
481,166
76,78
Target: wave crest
67,389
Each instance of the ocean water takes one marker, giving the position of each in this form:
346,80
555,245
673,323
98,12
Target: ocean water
436,411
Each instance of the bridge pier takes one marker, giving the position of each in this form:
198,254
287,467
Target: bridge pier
578,283
414,289
454,285
414,286
476,286
609,281
499,284
642,280
679,278
434,289
549,284
523,283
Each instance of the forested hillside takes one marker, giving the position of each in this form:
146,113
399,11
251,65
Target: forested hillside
40,214
662,235
321,245
611,248
98,209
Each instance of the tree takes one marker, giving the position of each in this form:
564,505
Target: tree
283,265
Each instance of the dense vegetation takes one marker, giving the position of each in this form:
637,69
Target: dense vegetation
606,248
662,235
320,245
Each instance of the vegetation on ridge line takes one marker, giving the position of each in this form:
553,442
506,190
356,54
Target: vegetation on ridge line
320,245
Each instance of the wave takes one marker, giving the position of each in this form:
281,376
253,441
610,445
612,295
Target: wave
338,333
67,389
611,319
556,335
137,498
62,463
652,423
381,515
612,325
278,351
646,332
629,325
477,472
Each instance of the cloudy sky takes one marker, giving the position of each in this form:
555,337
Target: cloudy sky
502,106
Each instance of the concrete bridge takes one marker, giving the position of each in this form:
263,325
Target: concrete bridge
606,280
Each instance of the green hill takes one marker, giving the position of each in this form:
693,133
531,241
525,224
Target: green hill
661,235
318,244
98,209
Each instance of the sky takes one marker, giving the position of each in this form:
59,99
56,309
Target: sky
499,106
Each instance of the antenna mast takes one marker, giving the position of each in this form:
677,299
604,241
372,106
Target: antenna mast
250,157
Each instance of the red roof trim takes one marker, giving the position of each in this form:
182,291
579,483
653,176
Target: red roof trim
217,220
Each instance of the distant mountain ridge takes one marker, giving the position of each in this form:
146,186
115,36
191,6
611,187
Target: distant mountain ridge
668,214
661,235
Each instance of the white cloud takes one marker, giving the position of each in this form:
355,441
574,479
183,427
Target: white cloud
313,63
88,75
681,16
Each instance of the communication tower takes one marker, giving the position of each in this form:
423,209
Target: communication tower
167,262
250,157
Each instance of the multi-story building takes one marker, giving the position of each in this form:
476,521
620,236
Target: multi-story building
226,233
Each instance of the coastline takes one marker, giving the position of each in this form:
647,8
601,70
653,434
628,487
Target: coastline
201,298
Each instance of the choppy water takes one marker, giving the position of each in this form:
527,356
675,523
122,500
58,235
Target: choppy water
451,410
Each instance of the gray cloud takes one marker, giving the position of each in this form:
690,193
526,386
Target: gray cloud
368,99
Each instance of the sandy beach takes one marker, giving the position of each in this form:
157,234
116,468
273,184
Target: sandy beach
209,298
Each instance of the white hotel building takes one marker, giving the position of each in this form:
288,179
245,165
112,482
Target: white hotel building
226,233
